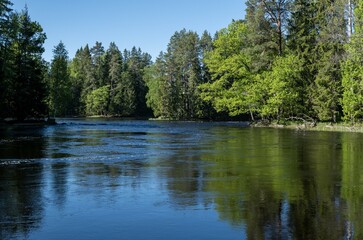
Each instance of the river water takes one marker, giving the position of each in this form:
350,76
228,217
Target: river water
108,179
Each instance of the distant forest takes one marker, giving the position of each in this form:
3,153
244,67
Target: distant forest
286,59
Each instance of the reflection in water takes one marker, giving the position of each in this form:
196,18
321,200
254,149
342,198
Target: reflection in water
280,183
87,178
21,199
60,174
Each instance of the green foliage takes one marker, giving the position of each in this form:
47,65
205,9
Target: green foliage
27,88
352,101
97,101
262,47
125,97
230,89
352,71
327,91
5,56
285,59
283,88
94,68
178,72
155,79
60,99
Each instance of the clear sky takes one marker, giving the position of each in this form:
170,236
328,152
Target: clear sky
147,24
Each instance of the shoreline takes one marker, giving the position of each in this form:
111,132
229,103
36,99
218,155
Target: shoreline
319,127
32,122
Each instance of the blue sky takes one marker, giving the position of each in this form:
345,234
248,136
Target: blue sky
147,24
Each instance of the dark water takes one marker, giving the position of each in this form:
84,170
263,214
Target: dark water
159,180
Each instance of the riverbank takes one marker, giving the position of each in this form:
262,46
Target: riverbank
28,122
320,126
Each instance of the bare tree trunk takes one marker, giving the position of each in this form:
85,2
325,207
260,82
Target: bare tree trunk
252,117
350,18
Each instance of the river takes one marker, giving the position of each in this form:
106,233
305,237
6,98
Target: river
111,179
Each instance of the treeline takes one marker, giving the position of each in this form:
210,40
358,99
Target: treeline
98,82
286,60
22,69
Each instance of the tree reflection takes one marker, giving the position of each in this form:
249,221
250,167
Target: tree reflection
60,174
279,184
21,199
276,184
352,183
185,179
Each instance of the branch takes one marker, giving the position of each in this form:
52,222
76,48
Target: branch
270,11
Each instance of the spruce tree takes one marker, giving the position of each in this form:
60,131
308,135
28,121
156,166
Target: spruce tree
262,47
5,56
114,58
302,41
28,89
327,90
60,98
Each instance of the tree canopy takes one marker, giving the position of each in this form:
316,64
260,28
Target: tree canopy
286,59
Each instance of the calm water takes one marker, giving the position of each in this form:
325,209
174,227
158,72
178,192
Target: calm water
157,180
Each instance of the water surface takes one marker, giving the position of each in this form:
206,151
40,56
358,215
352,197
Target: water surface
108,179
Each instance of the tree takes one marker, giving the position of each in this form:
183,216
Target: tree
97,101
327,88
352,71
136,62
231,87
157,97
114,58
59,84
284,92
28,89
302,41
205,109
82,79
179,73
98,64
125,96
262,44
5,55
277,12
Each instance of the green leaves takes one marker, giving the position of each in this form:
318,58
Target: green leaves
284,94
97,101
23,70
173,81
60,99
93,69
230,71
352,71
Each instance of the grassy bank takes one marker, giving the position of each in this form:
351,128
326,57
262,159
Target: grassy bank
321,126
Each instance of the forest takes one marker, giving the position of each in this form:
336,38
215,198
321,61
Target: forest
286,60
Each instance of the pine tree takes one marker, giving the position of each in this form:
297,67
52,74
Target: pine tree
28,89
277,12
114,58
158,98
184,68
5,56
302,41
98,65
60,98
136,63
261,37
87,76
327,90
